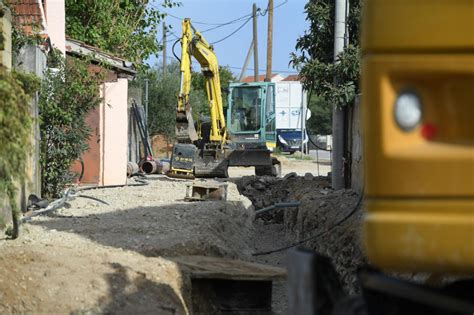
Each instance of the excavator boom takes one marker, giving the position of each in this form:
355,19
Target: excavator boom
194,45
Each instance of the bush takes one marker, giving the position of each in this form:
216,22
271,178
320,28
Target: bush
68,93
15,130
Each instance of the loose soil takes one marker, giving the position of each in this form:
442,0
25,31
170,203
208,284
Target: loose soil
320,212
93,258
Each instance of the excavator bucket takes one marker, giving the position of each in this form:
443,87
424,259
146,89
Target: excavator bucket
185,129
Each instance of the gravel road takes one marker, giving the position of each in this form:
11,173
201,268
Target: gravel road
93,258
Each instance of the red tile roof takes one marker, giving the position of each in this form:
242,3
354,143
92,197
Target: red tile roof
261,78
292,77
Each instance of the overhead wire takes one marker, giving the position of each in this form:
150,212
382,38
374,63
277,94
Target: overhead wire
231,34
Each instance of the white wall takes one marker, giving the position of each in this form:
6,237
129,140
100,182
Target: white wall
56,23
288,98
114,135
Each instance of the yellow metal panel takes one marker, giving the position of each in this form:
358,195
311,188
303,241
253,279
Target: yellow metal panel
404,163
421,235
418,25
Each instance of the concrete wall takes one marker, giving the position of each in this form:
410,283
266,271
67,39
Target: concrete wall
56,20
114,132
33,60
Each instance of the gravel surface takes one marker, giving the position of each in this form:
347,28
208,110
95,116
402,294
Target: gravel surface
95,258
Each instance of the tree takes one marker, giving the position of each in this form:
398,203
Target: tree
127,28
226,76
337,83
320,121
163,96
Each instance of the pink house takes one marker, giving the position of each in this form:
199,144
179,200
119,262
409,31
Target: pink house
106,161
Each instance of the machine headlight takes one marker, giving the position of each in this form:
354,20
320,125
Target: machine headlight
408,111
283,141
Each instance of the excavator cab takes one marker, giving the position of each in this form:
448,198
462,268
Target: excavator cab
251,113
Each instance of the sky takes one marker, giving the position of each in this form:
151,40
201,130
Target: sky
288,24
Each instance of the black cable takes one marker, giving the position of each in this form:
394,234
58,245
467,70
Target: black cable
228,23
82,169
238,29
94,198
310,93
359,202
206,23
172,49
318,147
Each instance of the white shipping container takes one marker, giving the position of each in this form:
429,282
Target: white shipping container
289,98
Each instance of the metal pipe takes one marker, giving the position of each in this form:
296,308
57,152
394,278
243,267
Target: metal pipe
152,167
278,205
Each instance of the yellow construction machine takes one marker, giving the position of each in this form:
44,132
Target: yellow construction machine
418,105
209,153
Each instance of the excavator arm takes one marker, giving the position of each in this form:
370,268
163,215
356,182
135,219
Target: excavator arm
194,45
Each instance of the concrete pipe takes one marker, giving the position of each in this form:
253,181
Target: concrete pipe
132,168
151,167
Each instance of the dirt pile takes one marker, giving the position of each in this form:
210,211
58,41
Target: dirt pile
321,211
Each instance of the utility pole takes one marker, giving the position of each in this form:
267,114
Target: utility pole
164,48
255,44
268,76
246,63
337,169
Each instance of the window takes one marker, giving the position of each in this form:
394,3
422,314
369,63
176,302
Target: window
246,109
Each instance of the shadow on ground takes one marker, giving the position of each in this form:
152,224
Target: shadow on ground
206,228
137,296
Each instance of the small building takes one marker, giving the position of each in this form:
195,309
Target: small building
105,162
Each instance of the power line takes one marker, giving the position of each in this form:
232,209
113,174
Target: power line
228,23
239,68
205,23
238,29
219,25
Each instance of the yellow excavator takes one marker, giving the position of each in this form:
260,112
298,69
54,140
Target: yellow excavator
209,152
418,106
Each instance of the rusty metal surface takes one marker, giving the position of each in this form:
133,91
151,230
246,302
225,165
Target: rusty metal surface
200,191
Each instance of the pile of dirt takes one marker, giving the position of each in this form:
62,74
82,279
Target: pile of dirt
332,213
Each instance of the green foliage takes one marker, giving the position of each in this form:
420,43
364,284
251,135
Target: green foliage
15,130
226,76
321,112
163,96
335,83
68,93
127,28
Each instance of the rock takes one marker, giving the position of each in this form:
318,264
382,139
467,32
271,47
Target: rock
290,175
259,186
308,176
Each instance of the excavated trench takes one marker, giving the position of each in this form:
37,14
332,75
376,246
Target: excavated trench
333,215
